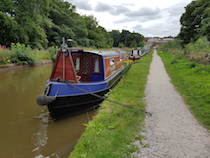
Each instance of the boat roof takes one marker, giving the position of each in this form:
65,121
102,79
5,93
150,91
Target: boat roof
103,53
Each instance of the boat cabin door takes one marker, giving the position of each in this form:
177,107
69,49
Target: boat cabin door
82,66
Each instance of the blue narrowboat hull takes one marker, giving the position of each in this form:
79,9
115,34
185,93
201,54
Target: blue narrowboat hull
73,99
67,106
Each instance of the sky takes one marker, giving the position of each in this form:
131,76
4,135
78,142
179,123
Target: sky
151,18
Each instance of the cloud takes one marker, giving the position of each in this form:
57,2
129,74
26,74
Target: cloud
82,4
111,9
120,9
176,10
137,27
160,27
158,18
144,11
124,10
140,16
103,7
159,22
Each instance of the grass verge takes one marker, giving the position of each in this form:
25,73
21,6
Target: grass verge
21,54
192,81
114,128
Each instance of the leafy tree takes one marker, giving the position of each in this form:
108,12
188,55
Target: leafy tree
133,44
195,21
205,23
8,26
30,15
123,36
43,23
9,29
121,45
97,35
141,44
61,15
20,22
127,38
115,34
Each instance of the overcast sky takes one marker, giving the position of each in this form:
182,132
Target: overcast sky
147,17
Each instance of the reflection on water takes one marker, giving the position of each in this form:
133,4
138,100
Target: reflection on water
40,138
27,130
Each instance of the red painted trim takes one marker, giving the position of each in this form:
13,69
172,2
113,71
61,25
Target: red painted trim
64,68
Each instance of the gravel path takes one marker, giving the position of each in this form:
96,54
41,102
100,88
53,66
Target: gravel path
171,131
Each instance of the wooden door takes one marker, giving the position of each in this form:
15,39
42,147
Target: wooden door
82,66
85,65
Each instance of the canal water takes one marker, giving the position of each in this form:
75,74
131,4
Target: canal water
27,131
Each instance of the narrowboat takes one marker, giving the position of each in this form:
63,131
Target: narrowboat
139,52
135,54
80,79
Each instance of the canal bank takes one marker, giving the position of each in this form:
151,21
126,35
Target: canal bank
16,66
115,127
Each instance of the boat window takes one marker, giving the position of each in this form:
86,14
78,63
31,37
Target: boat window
96,65
121,61
77,64
112,64
85,66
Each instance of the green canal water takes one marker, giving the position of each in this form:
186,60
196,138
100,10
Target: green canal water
27,130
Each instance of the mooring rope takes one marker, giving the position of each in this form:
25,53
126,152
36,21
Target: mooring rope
104,98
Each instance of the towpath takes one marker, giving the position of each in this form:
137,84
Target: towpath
171,131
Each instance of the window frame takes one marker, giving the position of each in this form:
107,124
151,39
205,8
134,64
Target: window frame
77,65
112,65
99,65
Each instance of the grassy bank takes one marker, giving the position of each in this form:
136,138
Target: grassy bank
21,54
197,51
192,81
114,128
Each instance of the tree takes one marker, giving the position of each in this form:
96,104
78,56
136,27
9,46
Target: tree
8,26
127,38
9,30
115,34
195,21
62,17
97,35
44,23
123,36
205,23
133,44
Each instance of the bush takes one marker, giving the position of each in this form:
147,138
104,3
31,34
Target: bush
22,54
4,57
202,45
53,50
174,46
